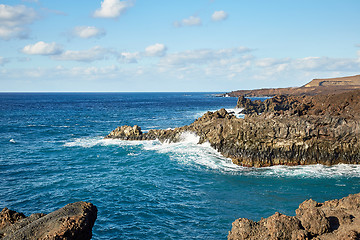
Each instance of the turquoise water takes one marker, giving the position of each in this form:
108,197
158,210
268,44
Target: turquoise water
53,153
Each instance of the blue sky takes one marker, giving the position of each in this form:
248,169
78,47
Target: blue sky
178,45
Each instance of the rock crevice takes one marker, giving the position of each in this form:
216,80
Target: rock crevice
334,219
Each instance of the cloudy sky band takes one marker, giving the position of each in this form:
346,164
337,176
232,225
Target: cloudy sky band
184,46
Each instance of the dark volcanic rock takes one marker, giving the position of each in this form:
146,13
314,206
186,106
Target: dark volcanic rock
335,219
74,221
289,131
346,105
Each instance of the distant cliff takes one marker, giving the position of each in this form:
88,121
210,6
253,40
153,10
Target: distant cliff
315,87
342,81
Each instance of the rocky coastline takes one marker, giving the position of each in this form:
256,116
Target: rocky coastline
283,130
334,219
74,221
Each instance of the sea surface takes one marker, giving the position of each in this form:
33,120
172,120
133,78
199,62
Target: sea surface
52,153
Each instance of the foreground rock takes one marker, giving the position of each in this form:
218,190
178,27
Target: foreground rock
335,219
74,221
283,130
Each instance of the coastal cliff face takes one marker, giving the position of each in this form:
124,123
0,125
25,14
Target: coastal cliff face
314,87
335,219
342,81
74,221
283,130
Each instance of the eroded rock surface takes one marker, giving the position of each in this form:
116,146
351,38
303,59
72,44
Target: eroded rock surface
74,221
346,105
279,131
334,219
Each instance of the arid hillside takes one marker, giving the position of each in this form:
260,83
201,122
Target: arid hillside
314,87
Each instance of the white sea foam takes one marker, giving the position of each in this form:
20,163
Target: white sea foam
312,171
62,126
189,152
133,154
89,142
235,111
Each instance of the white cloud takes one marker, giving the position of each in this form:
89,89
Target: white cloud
157,49
202,56
3,61
92,72
219,15
190,21
90,55
42,48
270,62
112,8
129,57
326,64
13,21
88,32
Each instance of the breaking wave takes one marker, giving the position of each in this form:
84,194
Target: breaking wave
189,152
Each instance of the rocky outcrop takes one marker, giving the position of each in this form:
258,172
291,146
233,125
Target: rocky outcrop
346,105
277,104
74,221
289,131
335,219
127,133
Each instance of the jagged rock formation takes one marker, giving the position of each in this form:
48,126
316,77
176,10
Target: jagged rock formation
335,219
289,131
74,221
314,87
346,105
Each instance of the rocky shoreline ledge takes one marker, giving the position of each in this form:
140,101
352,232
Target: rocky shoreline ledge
74,221
283,130
334,219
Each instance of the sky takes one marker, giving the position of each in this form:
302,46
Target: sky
175,46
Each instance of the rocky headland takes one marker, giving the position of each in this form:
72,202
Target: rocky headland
314,87
74,221
283,130
331,220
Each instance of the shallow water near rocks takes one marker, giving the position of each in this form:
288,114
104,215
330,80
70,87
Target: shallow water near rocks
52,153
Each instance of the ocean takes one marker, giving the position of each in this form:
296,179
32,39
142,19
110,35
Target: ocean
52,153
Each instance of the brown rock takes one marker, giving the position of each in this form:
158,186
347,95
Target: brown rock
312,221
315,87
127,133
74,221
312,218
290,131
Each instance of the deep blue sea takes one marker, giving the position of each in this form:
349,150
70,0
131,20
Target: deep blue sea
52,153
